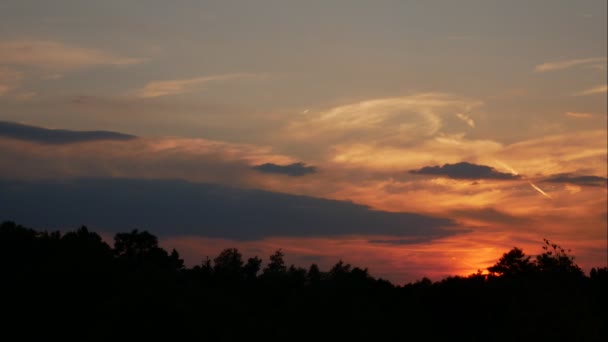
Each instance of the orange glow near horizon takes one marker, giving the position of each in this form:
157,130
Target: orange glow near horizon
457,255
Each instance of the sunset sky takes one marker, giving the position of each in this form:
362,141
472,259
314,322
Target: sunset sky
415,138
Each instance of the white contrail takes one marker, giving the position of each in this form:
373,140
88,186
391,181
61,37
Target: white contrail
539,190
507,167
517,173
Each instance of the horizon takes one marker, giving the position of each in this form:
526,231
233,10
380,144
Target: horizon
388,134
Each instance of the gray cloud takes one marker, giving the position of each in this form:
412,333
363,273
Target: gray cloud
295,169
172,208
464,170
55,136
578,180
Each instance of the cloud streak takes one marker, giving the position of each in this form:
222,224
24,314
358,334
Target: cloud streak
179,86
56,136
584,180
579,115
566,64
48,54
294,170
464,170
466,119
600,89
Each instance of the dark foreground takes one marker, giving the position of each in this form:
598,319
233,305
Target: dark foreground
76,287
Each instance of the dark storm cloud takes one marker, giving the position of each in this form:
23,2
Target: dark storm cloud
55,136
295,169
171,207
465,170
577,179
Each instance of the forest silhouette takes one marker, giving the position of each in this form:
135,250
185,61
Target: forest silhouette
74,286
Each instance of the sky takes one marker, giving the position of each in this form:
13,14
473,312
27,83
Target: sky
415,138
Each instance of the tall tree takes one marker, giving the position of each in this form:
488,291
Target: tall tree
276,264
555,261
513,263
228,265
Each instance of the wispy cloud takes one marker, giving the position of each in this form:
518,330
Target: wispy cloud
390,121
466,119
9,80
565,64
579,115
600,89
385,133
55,55
172,87
559,153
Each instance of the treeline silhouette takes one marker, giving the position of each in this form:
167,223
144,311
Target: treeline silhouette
74,286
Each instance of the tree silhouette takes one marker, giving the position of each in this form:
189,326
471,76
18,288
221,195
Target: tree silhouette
555,261
314,274
297,276
599,273
175,261
104,293
85,253
203,273
140,251
276,264
227,266
251,268
134,244
513,263
339,270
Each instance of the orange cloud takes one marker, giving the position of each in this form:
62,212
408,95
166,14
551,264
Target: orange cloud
439,149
